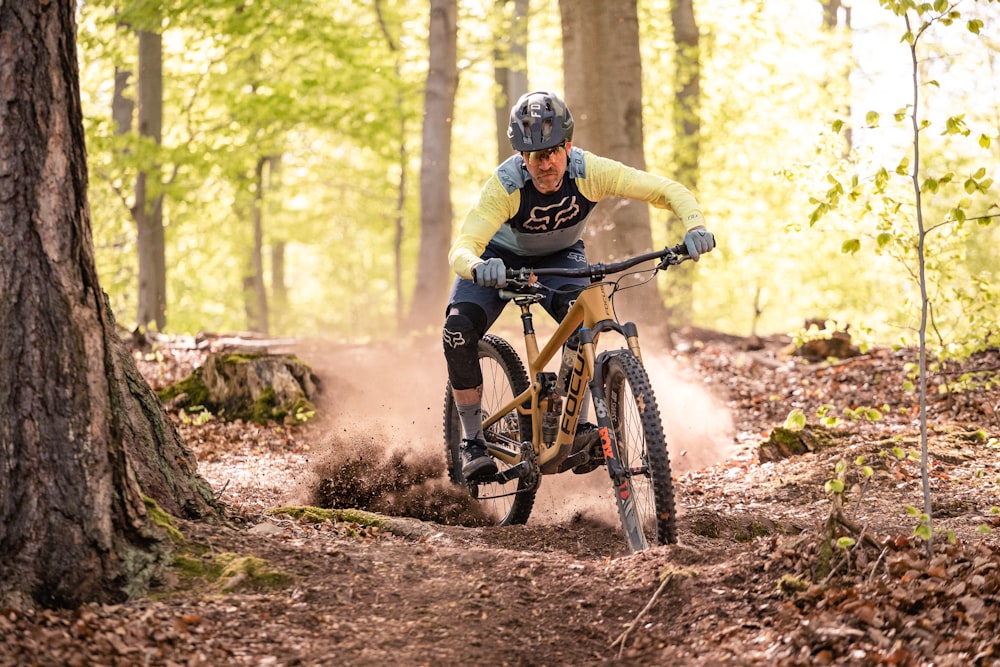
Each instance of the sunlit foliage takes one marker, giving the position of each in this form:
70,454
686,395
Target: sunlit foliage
315,83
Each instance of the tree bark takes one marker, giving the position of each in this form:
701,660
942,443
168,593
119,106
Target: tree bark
837,17
148,209
261,322
430,293
82,436
510,65
400,217
603,73
687,139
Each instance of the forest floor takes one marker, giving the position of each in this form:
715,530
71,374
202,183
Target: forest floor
758,576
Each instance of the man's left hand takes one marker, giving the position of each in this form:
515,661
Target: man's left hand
698,241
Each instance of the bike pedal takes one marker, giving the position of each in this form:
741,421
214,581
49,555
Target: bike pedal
581,457
591,464
512,472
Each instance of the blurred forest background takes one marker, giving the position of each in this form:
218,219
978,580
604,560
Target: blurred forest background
297,167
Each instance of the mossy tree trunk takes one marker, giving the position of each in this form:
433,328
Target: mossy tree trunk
82,436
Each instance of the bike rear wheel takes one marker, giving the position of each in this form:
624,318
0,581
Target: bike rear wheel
503,378
648,511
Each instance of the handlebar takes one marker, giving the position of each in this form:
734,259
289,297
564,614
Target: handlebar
668,256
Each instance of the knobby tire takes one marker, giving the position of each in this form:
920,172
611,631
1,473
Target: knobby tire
503,378
642,450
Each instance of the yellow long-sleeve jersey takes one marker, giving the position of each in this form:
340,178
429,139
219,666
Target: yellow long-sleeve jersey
514,215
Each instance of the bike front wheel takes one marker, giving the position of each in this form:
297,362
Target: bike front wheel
646,503
504,378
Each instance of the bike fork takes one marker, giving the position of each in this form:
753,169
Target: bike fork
620,477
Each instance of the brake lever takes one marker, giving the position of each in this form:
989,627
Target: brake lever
672,258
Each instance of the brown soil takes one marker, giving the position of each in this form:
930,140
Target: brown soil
757,577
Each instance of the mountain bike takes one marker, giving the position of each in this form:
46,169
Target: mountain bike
531,428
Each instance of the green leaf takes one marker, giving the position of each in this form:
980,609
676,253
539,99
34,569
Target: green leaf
912,511
984,141
903,167
796,420
871,118
979,173
834,486
974,26
924,531
851,246
837,126
873,415
956,125
840,467
884,239
846,542
881,178
867,471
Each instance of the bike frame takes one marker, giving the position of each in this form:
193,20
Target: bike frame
593,310
554,421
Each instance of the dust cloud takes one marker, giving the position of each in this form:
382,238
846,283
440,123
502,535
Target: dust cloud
383,447
698,426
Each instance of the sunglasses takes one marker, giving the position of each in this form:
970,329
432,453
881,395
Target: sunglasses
547,154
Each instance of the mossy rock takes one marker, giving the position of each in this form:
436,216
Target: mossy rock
253,387
228,571
785,442
321,514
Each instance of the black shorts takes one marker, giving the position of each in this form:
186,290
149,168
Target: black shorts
565,289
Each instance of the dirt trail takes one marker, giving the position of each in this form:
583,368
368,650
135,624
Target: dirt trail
751,582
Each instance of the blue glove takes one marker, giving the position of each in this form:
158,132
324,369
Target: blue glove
698,240
491,273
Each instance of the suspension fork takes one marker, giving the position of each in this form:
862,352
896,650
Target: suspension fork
609,443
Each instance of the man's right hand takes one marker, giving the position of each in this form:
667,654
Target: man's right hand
491,273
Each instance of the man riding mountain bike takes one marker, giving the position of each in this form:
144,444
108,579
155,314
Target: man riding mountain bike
532,213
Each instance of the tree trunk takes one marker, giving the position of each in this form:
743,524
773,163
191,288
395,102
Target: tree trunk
148,208
399,233
687,139
81,434
122,107
430,293
603,73
836,18
279,290
687,92
261,320
510,65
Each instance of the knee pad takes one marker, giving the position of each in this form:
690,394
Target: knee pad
460,338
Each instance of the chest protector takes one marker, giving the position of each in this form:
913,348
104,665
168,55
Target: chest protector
544,223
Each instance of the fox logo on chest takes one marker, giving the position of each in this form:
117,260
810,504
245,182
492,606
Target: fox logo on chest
552,217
